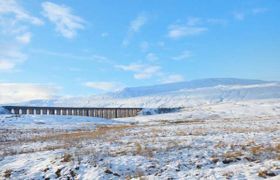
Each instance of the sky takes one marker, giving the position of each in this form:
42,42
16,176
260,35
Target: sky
78,48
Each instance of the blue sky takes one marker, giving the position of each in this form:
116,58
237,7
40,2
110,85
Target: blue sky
74,48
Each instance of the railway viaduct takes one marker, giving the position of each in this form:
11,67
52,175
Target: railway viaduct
107,113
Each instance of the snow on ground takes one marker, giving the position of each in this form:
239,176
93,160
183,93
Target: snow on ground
240,109
51,121
227,140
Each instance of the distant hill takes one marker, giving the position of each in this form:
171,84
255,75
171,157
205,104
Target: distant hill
187,93
195,84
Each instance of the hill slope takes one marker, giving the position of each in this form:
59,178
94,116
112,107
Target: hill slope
181,94
195,84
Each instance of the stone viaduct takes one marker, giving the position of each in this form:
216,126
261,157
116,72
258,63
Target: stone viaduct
107,113
75,111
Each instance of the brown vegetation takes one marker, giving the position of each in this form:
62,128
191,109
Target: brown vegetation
66,158
8,173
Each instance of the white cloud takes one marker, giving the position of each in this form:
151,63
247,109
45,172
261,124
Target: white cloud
161,44
141,71
11,7
135,26
15,21
14,29
194,21
181,31
104,86
151,57
148,72
11,53
137,23
183,56
131,67
89,57
6,65
10,56
240,16
189,29
173,78
144,46
104,34
24,38
259,10
66,23
20,92
192,27
126,42
216,21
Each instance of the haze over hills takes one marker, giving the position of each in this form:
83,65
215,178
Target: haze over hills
181,94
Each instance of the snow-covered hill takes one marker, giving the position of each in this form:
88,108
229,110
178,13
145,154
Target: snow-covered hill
181,94
195,84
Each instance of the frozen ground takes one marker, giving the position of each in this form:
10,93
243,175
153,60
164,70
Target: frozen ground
233,140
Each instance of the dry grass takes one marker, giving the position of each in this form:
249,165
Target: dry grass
100,132
58,172
8,173
277,148
236,154
260,149
11,151
142,150
228,175
66,158
262,173
181,133
193,121
214,159
249,151
257,150
62,140
138,148
253,129
199,132
266,173
220,144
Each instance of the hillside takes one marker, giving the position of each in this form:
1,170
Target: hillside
195,84
181,94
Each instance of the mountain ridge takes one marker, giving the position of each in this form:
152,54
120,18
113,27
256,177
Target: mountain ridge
199,83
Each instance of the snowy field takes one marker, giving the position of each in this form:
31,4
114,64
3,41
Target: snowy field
230,140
